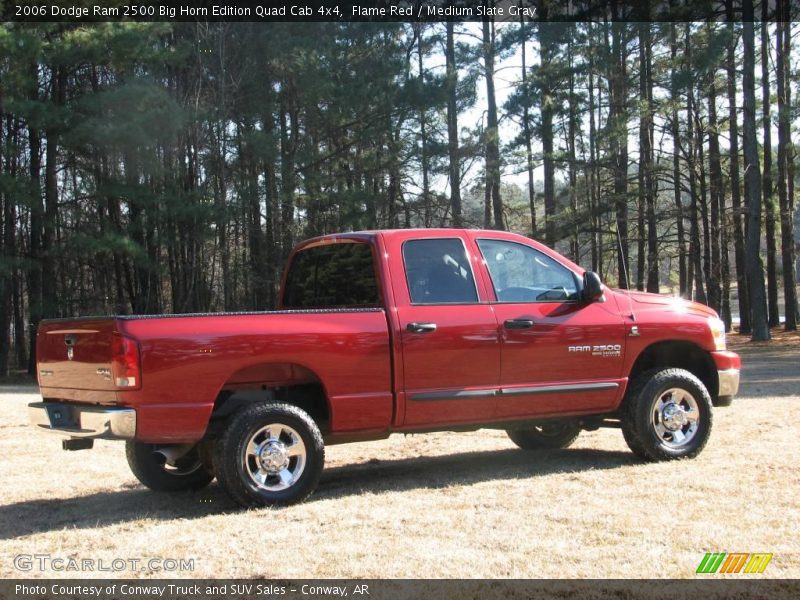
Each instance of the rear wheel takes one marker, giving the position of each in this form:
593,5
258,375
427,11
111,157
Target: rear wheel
158,473
555,434
269,455
667,415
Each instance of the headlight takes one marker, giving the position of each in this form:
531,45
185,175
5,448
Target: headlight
717,332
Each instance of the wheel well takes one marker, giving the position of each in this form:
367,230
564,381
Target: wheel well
680,355
290,384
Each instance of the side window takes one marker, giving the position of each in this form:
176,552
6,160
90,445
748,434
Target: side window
438,272
338,275
521,274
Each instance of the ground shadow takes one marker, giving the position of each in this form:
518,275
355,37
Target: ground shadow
126,504
375,476
18,387
769,372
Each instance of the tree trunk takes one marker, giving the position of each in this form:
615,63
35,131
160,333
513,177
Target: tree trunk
452,127
646,188
423,132
37,217
572,134
7,243
785,169
695,269
546,44
703,204
643,158
288,133
492,132
736,195
773,315
526,128
618,121
752,183
676,163
716,197
594,211
653,278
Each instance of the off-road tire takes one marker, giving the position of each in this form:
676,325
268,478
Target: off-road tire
233,467
554,435
639,406
188,472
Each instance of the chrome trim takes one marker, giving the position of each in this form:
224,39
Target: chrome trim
455,395
83,421
728,382
558,389
534,389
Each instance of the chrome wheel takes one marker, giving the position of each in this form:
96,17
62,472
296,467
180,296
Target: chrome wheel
275,457
675,418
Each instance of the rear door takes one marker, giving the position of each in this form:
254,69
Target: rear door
449,338
559,355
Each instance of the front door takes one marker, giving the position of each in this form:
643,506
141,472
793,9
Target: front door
559,355
449,338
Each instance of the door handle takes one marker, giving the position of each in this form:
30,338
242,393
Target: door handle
421,327
518,324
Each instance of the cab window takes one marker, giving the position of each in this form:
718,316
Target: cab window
340,275
438,272
522,274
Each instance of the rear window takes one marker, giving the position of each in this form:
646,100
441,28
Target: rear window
338,275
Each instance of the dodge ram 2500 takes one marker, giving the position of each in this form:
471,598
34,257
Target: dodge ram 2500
382,332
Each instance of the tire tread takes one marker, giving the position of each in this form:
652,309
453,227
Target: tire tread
152,475
635,412
226,455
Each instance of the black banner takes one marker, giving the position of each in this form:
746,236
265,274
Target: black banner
81,11
242,589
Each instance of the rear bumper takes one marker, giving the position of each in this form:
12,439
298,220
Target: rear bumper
108,423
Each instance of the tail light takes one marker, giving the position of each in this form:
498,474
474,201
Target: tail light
125,362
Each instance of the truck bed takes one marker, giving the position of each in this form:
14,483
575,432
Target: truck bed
188,360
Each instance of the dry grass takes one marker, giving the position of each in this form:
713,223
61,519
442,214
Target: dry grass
437,505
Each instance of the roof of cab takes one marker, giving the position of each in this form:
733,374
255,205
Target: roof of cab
371,233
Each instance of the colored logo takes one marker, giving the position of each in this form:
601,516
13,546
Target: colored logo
735,562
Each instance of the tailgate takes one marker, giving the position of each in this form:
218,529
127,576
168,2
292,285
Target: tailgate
76,354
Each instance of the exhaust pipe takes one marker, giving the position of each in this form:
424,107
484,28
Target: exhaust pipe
173,452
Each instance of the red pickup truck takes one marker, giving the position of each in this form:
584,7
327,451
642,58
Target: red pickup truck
382,332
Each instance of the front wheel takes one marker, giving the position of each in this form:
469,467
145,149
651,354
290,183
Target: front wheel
555,434
667,415
154,471
269,455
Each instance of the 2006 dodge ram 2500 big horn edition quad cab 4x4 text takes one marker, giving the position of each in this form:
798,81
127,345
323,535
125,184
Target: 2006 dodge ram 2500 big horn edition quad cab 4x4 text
382,332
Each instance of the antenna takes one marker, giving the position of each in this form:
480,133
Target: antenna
625,273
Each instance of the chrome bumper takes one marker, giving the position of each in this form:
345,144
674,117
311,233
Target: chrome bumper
728,382
84,421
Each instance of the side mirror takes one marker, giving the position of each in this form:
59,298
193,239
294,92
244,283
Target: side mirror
592,287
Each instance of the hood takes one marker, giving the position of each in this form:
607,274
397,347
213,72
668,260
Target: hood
647,301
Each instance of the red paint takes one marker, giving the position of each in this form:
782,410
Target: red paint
377,375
